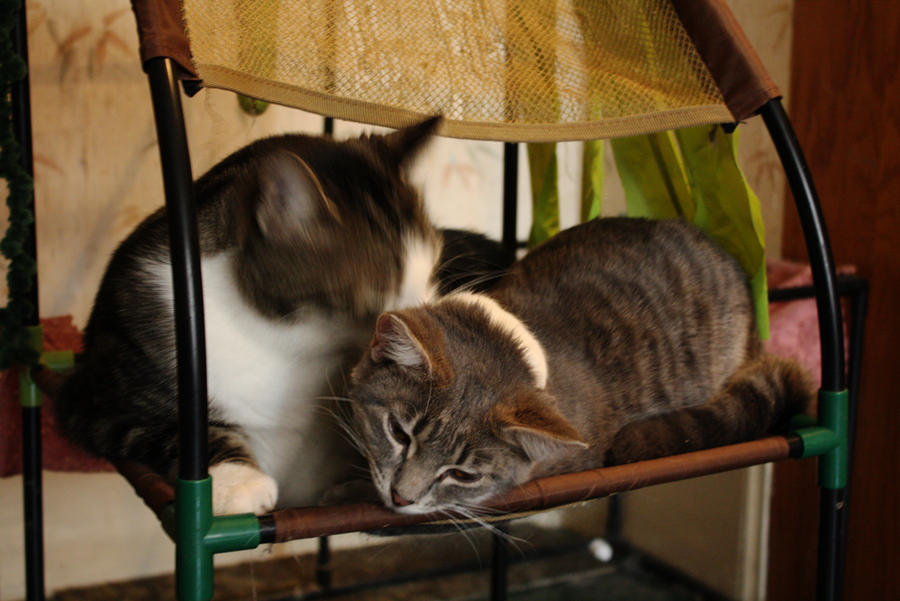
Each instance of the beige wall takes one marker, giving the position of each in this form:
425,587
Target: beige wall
97,175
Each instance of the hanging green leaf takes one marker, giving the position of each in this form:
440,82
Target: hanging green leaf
15,341
653,177
591,180
727,209
543,168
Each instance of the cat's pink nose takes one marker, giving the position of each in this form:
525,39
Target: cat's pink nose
398,500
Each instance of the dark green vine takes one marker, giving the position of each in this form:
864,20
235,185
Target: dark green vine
14,339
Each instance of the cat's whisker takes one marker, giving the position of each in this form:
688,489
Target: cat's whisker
366,472
509,539
345,428
472,284
343,399
462,530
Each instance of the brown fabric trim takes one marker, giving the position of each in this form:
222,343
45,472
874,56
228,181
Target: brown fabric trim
348,109
727,52
546,493
540,494
161,33
150,486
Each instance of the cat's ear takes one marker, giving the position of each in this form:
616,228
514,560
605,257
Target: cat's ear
533,422
289,196
412,339
405,143
394,342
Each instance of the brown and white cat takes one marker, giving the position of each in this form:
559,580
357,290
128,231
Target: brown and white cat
304,241
617,340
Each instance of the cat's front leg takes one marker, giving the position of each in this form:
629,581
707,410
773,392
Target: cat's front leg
241,488
238,485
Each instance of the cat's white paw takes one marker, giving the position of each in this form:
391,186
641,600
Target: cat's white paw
240,488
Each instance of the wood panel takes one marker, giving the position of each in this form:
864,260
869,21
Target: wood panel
844,104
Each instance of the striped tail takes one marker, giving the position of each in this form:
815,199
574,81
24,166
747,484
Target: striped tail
758,399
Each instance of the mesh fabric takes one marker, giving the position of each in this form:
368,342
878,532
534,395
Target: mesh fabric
516,70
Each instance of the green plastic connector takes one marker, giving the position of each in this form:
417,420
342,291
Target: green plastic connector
232,533
58,360
817,441
193,518
29,394
834,415
200,536
828,439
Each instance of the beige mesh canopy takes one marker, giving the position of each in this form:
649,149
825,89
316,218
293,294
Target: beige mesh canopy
524,70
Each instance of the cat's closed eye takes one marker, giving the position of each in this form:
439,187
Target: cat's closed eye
460,475
397,431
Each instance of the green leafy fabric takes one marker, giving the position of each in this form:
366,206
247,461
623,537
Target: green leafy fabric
652,176
15,341
592,180
727,208
542,165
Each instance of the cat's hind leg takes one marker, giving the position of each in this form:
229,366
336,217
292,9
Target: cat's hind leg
238,485
758,399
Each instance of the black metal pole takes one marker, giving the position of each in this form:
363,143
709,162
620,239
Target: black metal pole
499,566
832,502
32,483
817,243
185,254
859,309
33,503
859,306
20,100
510,194
614,520
323,565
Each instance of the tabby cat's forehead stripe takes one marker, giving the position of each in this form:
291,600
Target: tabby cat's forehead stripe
532,351
464,453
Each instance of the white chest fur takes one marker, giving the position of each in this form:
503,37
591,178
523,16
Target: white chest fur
269,377
264,373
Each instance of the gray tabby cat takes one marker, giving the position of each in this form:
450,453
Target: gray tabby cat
617,340
304,241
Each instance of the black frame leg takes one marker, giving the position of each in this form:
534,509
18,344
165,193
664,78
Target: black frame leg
323,565
184,247
499,566
833,501
32,459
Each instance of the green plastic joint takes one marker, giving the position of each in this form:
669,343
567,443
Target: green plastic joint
233,533
828,439
58,360
199,536
193,518
29,394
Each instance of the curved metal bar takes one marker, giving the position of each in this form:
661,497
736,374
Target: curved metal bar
185,254
832,501
817,243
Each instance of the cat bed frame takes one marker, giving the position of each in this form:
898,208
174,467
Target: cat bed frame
544,74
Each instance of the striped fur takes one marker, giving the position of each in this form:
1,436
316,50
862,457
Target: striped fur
642,334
